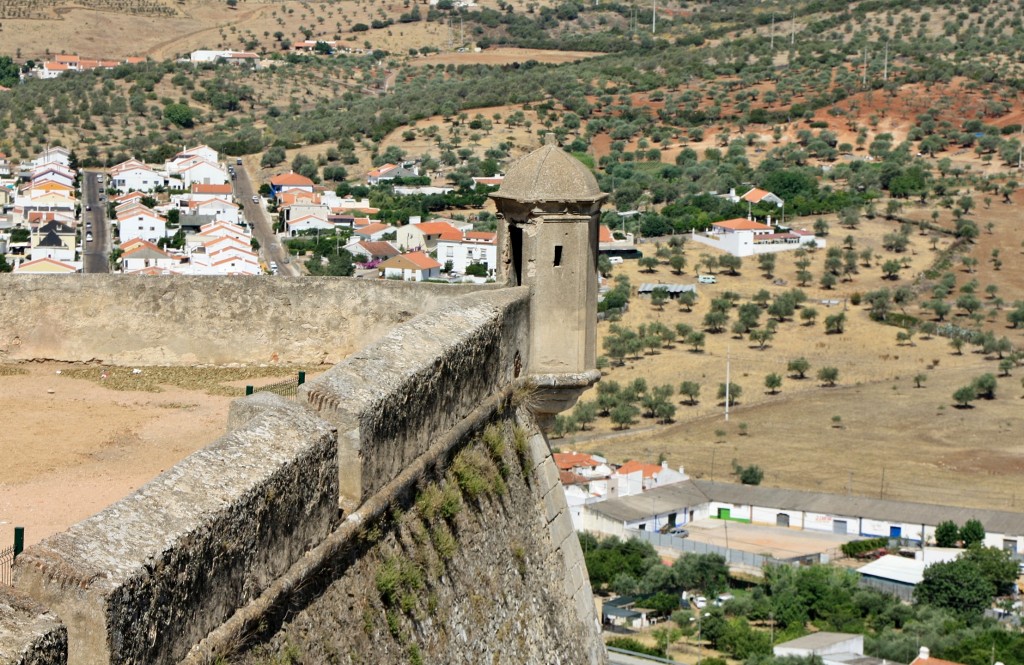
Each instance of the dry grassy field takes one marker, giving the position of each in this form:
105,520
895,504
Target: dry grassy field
875,433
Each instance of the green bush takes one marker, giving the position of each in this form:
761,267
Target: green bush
857,547
629,644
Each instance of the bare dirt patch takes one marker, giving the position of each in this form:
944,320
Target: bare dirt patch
76,445
504,56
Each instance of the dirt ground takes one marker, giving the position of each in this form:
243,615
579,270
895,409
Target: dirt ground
875,433
77,446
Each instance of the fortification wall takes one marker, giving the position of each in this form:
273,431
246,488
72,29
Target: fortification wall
459,545
475,562
125,319
29,634
389,400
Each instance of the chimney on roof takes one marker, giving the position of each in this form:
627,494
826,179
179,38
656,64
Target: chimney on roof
923,654
769,220
664,464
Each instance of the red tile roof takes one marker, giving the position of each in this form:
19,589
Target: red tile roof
604,234
411,261
755,195
379,248
443,229
648,470
292,179
370,229
574,460
740,224
570,478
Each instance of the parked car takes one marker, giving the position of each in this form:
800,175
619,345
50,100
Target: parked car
679,532
706,279
255,198
700,602
88,237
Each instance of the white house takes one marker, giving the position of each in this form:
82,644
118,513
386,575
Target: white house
199,170
426,235
755,196
745,237
217,208
53,172
475,247
144,254
141,222
411,267
58,154
201,151
233,57
368,251
291,181
308,223
388,172
135,176
52,246
205,192
372,231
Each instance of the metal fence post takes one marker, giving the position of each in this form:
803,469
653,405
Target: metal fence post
19,540
302,378
248,390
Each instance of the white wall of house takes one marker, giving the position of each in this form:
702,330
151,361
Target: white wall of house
408,275
137,180
462,254
58,253
142,226
741,243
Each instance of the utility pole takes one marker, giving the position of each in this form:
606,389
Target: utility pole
881,487
885,66
849,484
864,69
772,33
727,359
654,16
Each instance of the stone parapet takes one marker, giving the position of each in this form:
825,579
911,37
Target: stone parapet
132,320
29,633
389,400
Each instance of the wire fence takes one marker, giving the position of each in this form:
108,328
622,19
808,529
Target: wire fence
6,561
731,556
287,388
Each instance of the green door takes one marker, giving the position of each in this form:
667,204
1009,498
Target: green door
724,513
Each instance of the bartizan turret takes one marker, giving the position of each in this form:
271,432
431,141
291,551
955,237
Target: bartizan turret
549,205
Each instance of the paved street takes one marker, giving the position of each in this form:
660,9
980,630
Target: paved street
262,228
95,256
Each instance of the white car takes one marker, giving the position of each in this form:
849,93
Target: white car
88,237
255,199
700,602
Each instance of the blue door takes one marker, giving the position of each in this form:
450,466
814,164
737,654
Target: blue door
895,531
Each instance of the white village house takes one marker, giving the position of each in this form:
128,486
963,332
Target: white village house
745,237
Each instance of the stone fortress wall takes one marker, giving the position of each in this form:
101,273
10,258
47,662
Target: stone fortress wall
243,545
405,508
125,319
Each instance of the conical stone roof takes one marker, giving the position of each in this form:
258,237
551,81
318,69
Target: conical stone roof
549,174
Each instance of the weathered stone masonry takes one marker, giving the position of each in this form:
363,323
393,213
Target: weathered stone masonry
286,533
